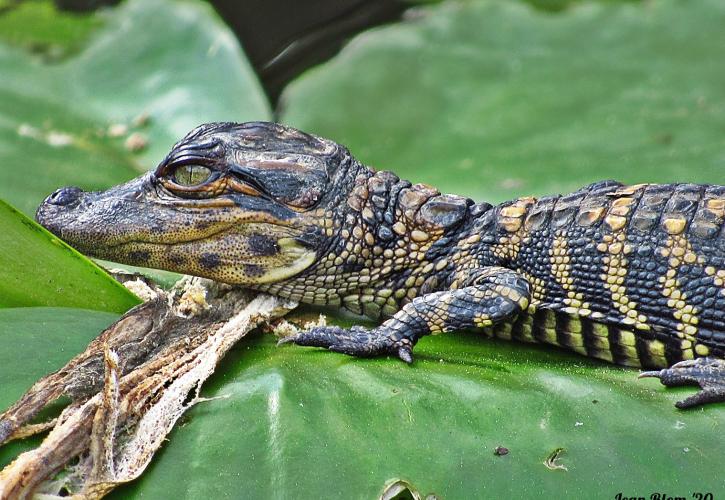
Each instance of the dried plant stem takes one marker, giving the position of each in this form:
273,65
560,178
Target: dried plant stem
136,399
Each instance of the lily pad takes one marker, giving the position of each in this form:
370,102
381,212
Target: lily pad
54,33
154,71
498,99
38,269
306,423
292,422
59,333
43,339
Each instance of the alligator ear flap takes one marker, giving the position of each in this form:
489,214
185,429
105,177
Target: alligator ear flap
242,187
297,187
296,182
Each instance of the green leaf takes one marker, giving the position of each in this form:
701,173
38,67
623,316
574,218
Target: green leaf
497,99
58,333
305,423
168,65
41,28
38,269
42,340
165,279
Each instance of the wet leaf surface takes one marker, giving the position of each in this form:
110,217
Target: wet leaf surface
296,422
38,269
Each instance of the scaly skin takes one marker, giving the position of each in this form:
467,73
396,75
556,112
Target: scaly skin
634,275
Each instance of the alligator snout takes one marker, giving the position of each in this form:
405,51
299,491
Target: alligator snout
58,206
64,196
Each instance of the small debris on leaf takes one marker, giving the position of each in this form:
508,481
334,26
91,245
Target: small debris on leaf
511,183
141,120
142,286
58,139
25,130
136,142
284,328
117,130
52,138
141,289
321,321
551,460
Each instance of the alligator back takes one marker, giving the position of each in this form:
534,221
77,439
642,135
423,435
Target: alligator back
630,274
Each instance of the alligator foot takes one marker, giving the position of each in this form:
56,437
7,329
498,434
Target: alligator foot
708,373
356,341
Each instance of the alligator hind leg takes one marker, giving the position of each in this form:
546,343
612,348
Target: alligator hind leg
493,295
708,373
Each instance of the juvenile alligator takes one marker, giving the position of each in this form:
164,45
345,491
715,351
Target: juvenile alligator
634,275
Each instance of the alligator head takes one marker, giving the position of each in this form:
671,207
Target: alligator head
238,203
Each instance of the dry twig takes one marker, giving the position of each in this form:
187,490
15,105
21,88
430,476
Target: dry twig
128,388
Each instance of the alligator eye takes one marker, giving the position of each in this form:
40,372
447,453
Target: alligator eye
191,175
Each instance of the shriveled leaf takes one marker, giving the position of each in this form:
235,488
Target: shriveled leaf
151,360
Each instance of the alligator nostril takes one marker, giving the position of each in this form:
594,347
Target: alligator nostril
64,196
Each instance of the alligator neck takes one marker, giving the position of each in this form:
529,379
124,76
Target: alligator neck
387,240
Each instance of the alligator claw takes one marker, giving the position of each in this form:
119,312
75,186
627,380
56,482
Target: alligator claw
356,341
289,339
406,354
708,373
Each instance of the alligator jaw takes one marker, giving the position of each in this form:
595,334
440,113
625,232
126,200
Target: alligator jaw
233,241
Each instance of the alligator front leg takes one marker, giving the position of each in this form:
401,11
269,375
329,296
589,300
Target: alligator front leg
708,373
493,295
